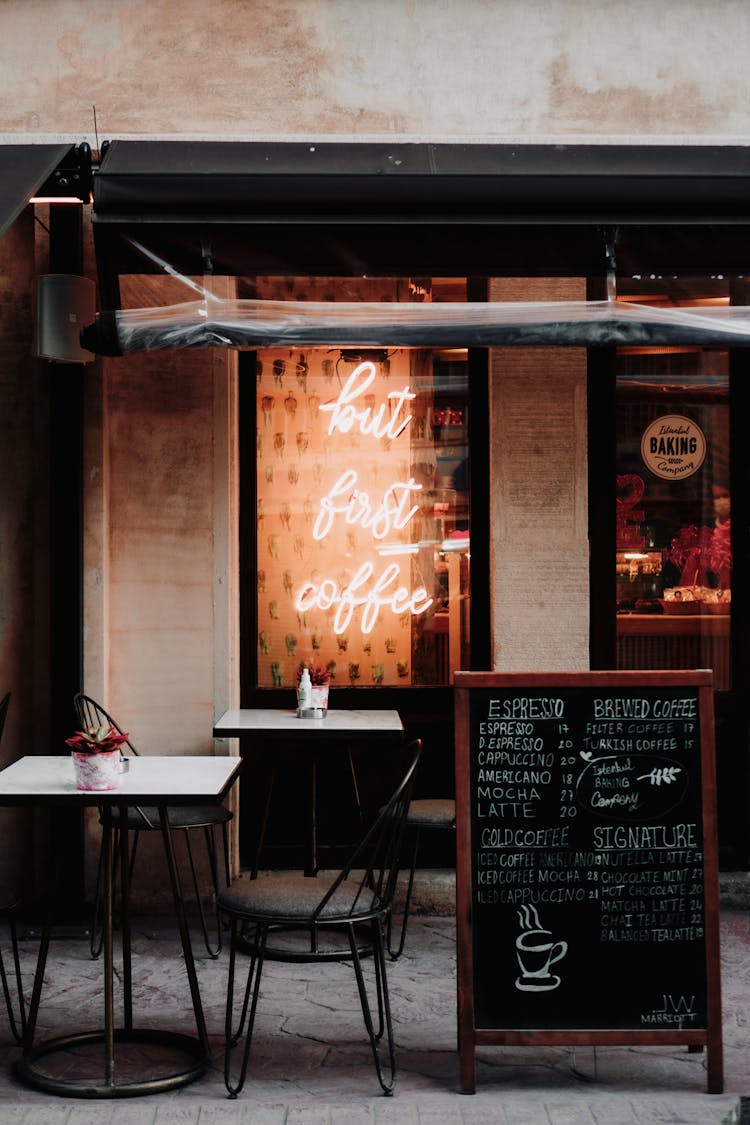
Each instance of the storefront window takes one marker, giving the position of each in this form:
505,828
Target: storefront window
362,515
673,510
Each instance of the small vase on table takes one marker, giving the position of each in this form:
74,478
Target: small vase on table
96,757
97,771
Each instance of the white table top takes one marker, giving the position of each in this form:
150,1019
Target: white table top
341,722
153,780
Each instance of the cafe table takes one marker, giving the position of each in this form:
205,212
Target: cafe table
341,728
178,1058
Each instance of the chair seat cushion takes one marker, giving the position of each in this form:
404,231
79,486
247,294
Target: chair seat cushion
432,813
191,816
281,897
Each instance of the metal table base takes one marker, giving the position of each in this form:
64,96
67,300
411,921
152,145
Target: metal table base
110,1083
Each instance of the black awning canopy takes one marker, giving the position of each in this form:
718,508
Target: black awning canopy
347,209
24,170
208,181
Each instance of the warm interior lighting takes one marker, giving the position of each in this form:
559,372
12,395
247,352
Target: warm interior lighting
665,301
459,543
659,349
401,548
456,544
56,199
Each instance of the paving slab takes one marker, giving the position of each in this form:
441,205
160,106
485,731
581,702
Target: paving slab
310,1063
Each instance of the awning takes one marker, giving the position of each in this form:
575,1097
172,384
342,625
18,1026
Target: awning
24,169
244,208
209,181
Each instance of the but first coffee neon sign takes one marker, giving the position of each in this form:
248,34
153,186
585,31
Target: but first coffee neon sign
345,501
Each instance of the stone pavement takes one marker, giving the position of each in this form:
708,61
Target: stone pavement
310,1064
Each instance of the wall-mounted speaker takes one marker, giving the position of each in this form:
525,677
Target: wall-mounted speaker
65,304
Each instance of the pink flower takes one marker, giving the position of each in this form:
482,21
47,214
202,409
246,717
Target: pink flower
96,740
319,676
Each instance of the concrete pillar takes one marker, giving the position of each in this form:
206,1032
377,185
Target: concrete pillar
540,555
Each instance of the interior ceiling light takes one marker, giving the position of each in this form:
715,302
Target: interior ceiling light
57,199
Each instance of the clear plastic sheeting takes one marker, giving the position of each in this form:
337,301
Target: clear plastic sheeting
213,322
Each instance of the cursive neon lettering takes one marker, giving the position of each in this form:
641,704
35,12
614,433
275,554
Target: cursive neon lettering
345,416
399,600
356,507
367,592
327,592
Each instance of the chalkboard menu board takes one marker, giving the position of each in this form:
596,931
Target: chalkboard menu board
587,886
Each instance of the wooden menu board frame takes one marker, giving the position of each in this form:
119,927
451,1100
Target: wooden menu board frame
549,697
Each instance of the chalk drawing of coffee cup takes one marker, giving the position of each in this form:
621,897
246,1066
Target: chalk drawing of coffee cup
537,952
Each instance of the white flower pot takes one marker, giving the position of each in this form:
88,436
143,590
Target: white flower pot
97,771
318,708
320,699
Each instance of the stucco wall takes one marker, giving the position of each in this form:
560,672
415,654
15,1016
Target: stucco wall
160,610
159,494
494,69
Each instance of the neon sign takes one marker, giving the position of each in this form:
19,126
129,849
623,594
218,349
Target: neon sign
327,594
390,514
344,416
393,513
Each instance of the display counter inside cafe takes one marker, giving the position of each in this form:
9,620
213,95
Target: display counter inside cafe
661,640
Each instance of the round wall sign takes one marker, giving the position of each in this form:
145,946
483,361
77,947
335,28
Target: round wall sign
673,447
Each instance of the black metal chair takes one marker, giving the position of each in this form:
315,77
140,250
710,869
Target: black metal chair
7,913
143,819
17,1021
352,905
423,814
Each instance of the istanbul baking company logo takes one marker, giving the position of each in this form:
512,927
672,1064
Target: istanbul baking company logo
673,447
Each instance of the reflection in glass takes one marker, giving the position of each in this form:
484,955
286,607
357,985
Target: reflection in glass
673,518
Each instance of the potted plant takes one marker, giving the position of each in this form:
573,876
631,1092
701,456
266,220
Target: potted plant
319,680
96,757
